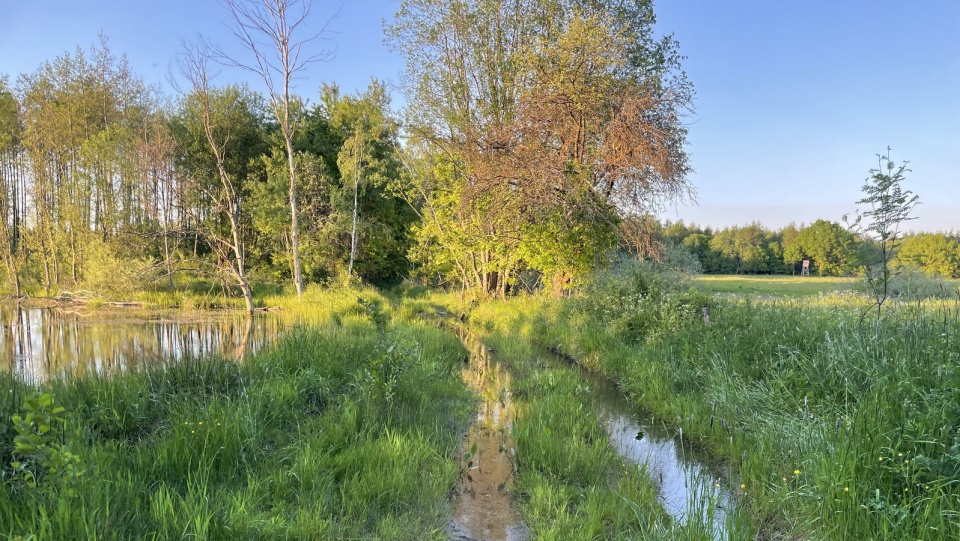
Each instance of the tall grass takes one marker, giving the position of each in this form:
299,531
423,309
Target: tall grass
570,484
838,430
299,441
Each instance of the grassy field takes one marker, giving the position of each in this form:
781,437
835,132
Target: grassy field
351,426
837,429
773,285
911,285
346,429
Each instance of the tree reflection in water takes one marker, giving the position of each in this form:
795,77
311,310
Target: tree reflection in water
39,342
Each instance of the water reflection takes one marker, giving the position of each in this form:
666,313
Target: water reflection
483,508
37,343
691,488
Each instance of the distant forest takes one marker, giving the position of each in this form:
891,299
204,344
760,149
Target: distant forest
833,250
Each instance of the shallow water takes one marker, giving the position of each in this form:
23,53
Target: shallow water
690,486
482,508
37,343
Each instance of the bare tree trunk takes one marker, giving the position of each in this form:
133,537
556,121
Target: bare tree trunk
294,219
231,253
356,189
73,256
276,23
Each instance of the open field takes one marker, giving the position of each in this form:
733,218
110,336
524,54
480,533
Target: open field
836,429
774,285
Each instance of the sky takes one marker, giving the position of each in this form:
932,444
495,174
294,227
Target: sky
794,99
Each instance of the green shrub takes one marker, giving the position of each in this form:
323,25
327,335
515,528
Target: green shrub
43,458
111,275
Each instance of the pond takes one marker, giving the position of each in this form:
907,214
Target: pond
40,342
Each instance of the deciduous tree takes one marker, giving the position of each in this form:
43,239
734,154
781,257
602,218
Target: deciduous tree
552,113
219,134
887,206
934,253
275,32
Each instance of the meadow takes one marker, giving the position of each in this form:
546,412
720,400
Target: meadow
836,428
773,285
351,425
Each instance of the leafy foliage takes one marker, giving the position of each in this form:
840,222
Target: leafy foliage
933,253
43,459
888,207
546,116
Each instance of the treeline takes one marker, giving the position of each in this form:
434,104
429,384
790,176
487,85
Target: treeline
536,130
105,183
539,137
833,250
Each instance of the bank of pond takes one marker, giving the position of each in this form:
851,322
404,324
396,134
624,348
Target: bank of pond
620,413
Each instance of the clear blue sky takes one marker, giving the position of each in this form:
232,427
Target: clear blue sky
794,99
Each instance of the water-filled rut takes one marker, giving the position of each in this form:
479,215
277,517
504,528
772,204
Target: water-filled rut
691,488
483,509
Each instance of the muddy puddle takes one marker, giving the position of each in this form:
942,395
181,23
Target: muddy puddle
482,507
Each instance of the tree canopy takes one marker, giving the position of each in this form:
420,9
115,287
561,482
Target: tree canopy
552,116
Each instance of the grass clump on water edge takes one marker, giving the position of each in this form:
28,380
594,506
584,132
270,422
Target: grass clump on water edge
342,429
570,483
838,430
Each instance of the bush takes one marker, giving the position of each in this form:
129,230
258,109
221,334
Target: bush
107,273
637,301
911,284
679,258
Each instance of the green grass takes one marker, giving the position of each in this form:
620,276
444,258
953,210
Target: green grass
838,431
772,285
570,484
326,435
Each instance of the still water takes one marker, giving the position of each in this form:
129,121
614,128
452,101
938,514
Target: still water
40,342
483,508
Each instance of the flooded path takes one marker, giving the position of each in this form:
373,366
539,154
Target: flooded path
691,488
483,509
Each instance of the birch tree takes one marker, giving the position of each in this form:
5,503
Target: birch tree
215,128
276,34
11,180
